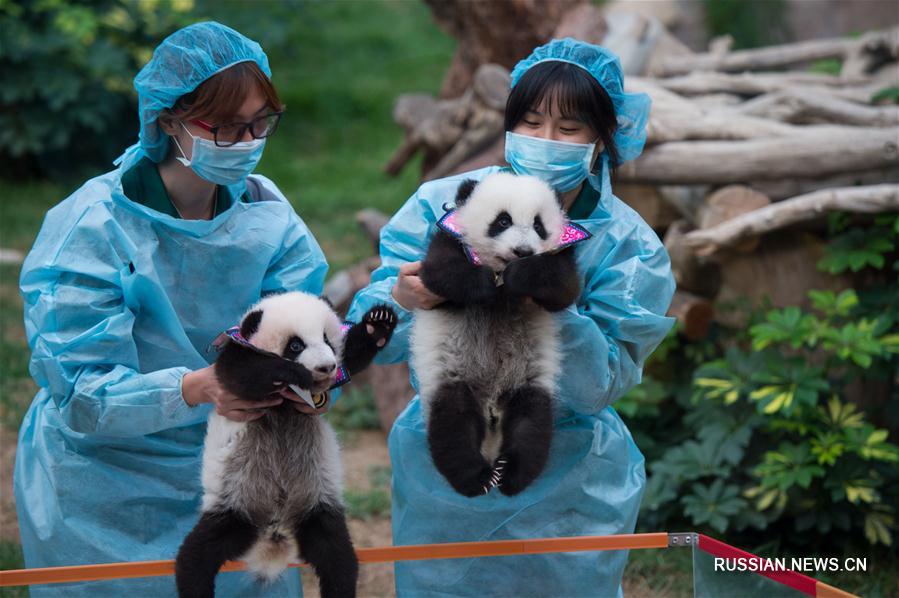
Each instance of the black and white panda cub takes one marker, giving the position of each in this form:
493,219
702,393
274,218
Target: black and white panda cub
488,358
272,487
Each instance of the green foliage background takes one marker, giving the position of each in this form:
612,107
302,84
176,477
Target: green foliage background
750,434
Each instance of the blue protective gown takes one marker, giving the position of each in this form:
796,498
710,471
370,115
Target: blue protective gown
594,479
120,302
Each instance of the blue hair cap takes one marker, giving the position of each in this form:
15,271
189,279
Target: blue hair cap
631,109
179,64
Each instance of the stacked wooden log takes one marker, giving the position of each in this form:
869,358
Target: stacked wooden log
747,151
743,147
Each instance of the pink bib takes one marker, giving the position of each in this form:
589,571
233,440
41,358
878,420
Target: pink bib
572,233
233,334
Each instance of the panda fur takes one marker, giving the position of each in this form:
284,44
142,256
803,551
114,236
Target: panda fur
273,486
488,358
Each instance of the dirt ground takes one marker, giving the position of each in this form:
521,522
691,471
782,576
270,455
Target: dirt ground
362,452
9,526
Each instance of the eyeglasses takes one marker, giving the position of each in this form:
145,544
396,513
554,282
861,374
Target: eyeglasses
231,133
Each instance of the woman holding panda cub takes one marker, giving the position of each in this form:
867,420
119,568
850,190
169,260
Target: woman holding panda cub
128,282
568,122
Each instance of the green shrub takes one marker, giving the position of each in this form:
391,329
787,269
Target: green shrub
762,436
67,71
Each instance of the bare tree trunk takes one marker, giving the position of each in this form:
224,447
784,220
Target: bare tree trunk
803,155
855,88
802,106
693,312
774,57
872,199
498,31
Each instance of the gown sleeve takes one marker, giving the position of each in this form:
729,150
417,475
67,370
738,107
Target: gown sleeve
79,329
618,321
404,239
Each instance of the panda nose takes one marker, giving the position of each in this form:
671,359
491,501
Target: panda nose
523,251
326,368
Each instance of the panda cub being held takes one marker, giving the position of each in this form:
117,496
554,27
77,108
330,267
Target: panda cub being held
272,487
488,357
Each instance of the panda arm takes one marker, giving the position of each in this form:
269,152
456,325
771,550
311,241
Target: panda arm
447,271
550,279
360,346
251,376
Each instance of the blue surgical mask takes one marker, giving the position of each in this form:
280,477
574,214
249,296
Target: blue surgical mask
222,165
561,165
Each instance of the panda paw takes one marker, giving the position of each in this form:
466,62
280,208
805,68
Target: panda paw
474,484
379,324
519,276
514,477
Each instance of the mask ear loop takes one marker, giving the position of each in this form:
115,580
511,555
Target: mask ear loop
597,161
183,160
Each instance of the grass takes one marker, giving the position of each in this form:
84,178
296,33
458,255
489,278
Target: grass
16,385
373,502
354,410
11,558
666,573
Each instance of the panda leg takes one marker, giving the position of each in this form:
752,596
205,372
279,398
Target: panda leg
527,434
456,429
324,542
218,536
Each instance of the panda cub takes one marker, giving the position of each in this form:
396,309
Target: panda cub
272,486
488,357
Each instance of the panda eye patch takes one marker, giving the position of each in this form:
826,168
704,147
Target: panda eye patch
327,342
296,346
539,228
499,224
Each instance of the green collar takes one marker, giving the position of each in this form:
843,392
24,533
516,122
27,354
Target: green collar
142,184
584,203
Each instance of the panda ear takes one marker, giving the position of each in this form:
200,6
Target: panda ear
250,323
327,300
464,191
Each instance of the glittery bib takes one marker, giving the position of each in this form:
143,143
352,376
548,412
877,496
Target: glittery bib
572,233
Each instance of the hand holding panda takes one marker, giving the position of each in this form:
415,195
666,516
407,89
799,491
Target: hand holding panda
488,357
272,486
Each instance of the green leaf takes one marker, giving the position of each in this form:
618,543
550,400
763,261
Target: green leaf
841,415
887,94
877,528
890,343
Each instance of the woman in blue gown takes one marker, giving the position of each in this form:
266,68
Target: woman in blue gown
568,121
129,280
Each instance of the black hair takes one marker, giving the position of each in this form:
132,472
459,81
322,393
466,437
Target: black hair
576,94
